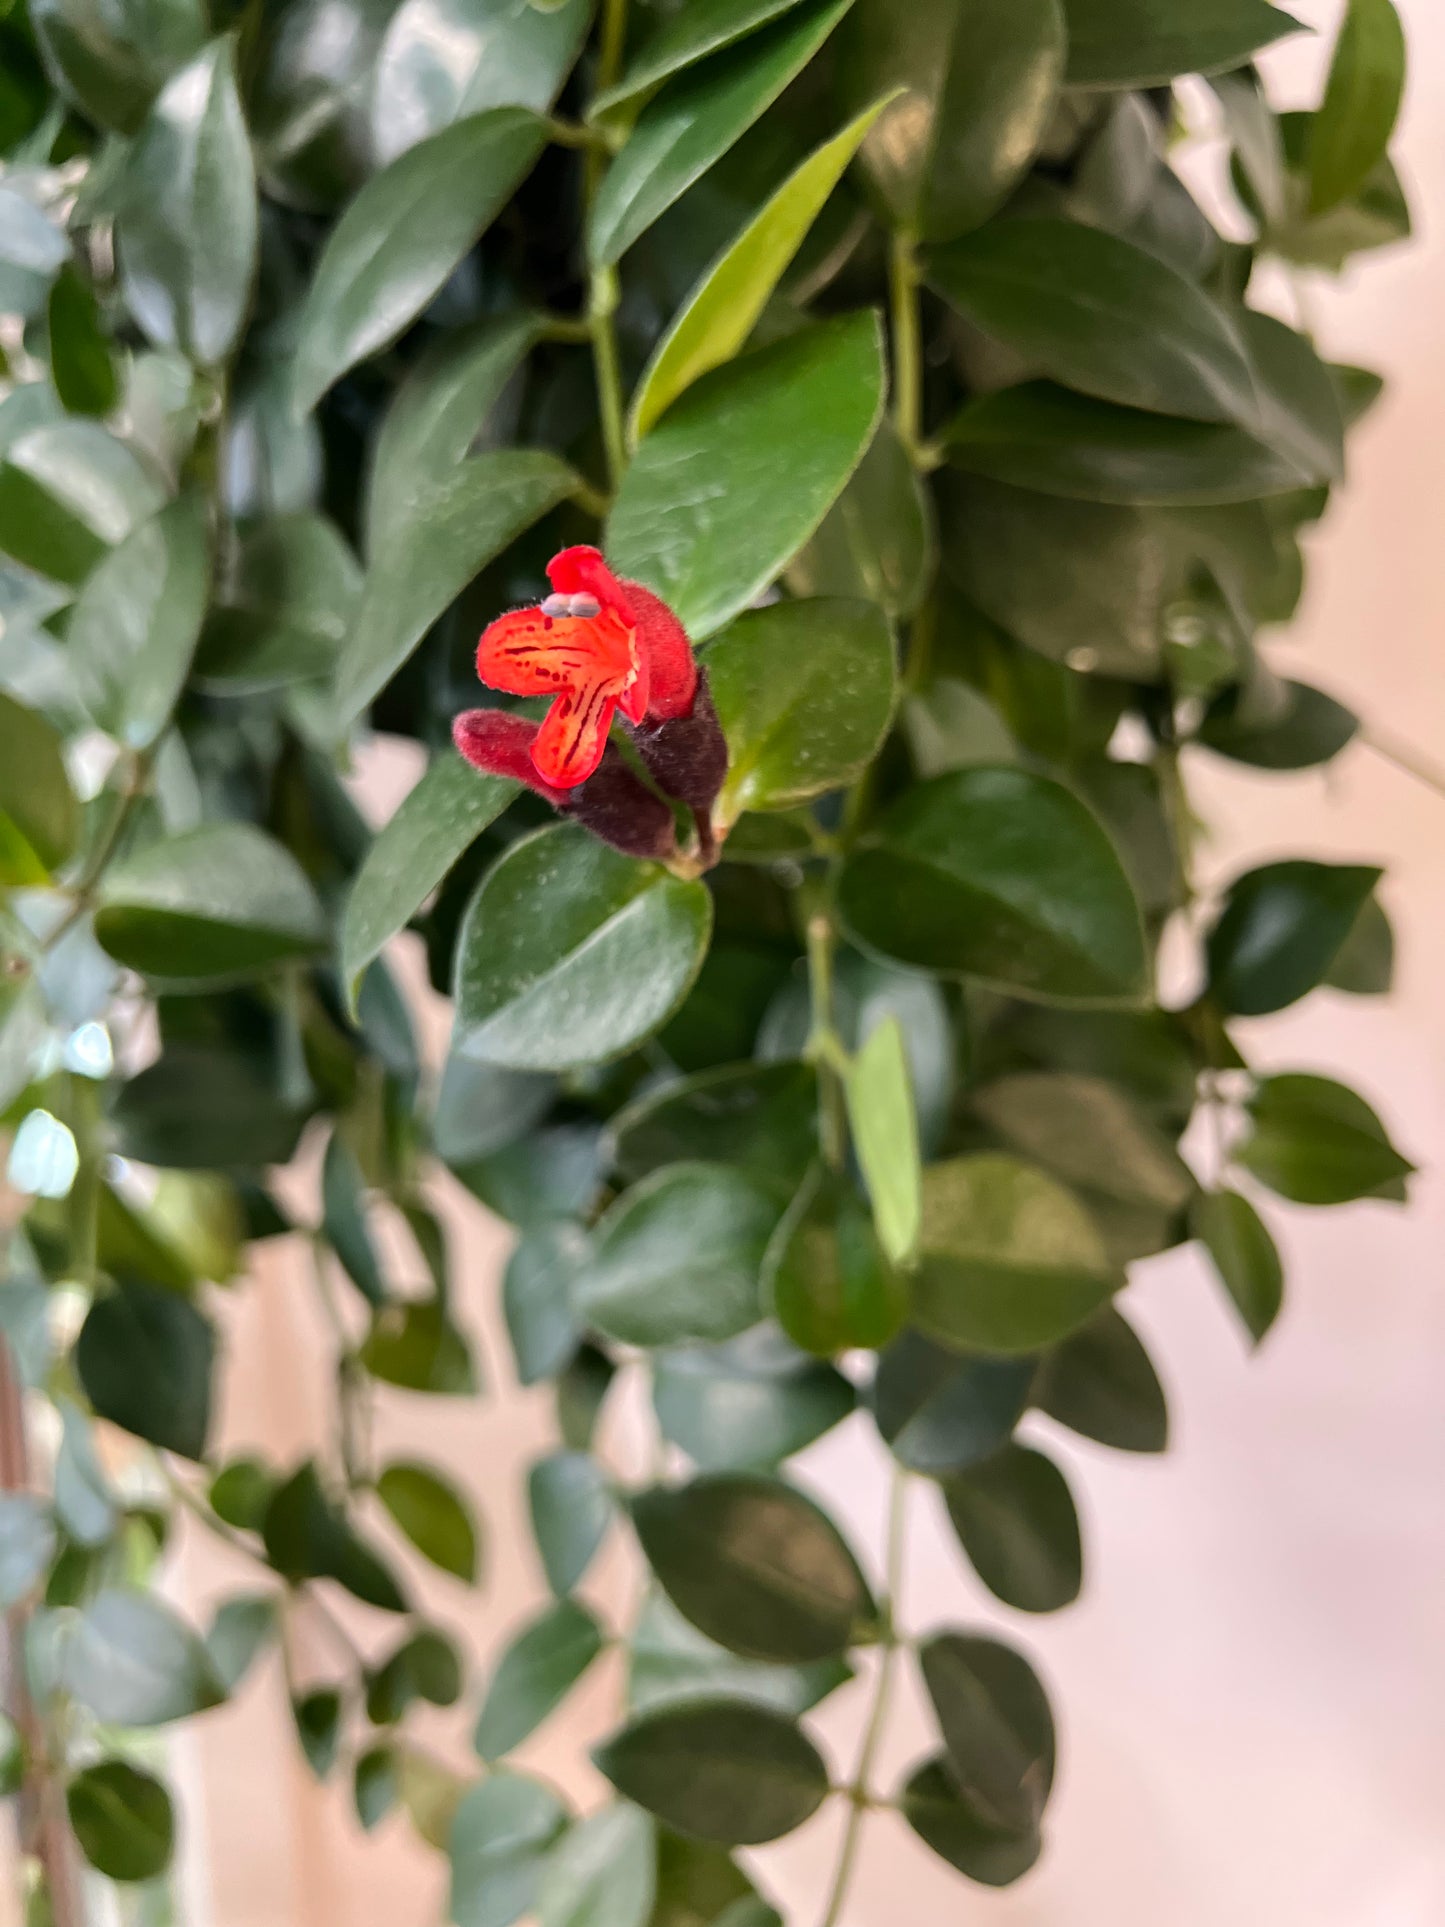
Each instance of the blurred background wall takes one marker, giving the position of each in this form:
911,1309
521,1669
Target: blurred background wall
1252,1689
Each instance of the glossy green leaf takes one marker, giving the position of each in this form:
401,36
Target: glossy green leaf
537,1299
760,1117
602,1873
308,1537
671,1662
571,1509
318,1727
750,1403
438,414
756,1566
939,1815
186,231
725,491
829,1282
135,623
1146,43
1311,729
442,60
81,366
720,1771
309,98
1101,1382
995,1719
112,61
453,530
884,1125
722,310
941,1413
439,820
220,902
432,1515
122,1820
876,542
39,814
68,492
695,120
998,874
534,1674
980,80
1280,929
679,1257
1315,1141
1364,965
144,1357
1015,1518
702,28
132,1662
1351,131
571,953
1101,316
401,237
1088,1132
498,1845
285,604
1010,1260
1245,1256
27,1545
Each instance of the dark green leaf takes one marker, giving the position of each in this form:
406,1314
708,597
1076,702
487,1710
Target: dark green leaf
733,481
309,98
831,1285
678,1257
481,1108
941,1413
1244,1254
695,31
672,1662
938,1814
425,1666
1102,1383
582,1390
1280,929
111,61
571,1509
995,1719
534,1674
877,541
343,1206
375,1785
132,1662
1146,43
1015,1518
602,1873
756,1566
241,1627
145,1358
308,1537
537,1299
499,1840
285,605
416,1345
433,1517
68,492
1310,730
720,1771
198,1107
80,360
401,237
122,1820
27,1546
318,1727
999,874
752,1402
571,953
1365,962
1351,132
1091,1134
1318,1142
760,1117
39,815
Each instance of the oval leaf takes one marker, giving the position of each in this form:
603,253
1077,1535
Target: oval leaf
941,1413
1245,1256
122,1820
571,1508
132,1662
39,814
534,1675
1101,1382
732,1773
1281,928
433,1517
1015,1518
995,1719
498,1845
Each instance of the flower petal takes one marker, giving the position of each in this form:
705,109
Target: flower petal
582,571
571,740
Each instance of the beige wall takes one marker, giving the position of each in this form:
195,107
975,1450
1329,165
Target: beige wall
1253,1687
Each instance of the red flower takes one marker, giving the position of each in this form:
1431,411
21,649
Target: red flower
597,645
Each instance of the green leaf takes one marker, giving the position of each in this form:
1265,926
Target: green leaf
122,1820
695,121
376,1785
68,492
1315,1141
884,1125
499,1840
998,874
1102,1383
721,1771
1038,436
439,820
33,252
831,1286
535,1673
877,542
240,1629
454,529
241,1492
1310,729
308,1537
994,1716
27,1545
145,1359
438,413
537,1299
938,1814
761,1117
804,693
135,623
602,1873
941,1413
1280,929
1091,1134
401,237
1101,316
442,60
1351,132
1365,963
84,1501
1245,1256
200,1106
718,316
343,1207
318,1727
1015,1518
80,360
111,61
750,1403
730,485
670,1661
1010,1260
703,1886
424,1667
756,1566
39,814
417,1346
980,80
695,31
1146,43
309,98
571,1509
570,953
222,902
433,1516
678,1257
186,229
284,607
132,1662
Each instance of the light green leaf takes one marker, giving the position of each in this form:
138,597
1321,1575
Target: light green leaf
1351,132
885,1136
748,1403
717,1770
537,1292
132,1662
602,1873
240,1629
571,1509
499,1840
27,1545
1088,1132
432,1515
1315,1141
1147,43
39,814
534,1674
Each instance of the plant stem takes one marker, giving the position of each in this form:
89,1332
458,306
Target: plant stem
859,1798
137,781
602,288
824,1046
1406,758
903,281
